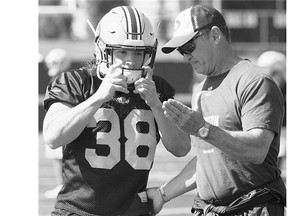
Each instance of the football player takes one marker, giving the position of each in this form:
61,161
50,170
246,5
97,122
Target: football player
108,119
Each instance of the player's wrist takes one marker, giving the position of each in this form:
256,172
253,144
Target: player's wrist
155,103
100,98
156,108
163,194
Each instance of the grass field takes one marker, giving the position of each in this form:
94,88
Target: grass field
165,167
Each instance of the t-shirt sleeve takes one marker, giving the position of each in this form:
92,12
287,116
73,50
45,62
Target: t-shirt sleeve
163,88
262,105
67,88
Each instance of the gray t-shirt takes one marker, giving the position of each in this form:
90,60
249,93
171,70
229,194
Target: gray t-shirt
239,100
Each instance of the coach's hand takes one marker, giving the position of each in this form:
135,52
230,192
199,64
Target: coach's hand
146,88
187,119
154,195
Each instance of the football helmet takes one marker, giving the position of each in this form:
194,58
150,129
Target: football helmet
124,28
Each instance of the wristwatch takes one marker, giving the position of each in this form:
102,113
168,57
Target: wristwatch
203,132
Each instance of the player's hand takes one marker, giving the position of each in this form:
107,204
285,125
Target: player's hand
146,88
154,195
187,119
112,82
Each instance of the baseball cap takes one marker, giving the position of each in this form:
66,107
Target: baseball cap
189,22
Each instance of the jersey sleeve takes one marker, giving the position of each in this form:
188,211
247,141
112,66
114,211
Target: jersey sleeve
262,105
68,87
163,88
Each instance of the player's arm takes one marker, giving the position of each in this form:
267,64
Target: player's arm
182,183
175,140
185,181
63,123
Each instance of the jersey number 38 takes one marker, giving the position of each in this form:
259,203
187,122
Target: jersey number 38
135,138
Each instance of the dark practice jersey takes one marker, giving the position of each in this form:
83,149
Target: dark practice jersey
106,167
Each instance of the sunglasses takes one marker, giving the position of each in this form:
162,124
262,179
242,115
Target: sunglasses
189,47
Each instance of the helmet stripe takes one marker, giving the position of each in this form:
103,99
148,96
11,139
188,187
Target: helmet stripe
132,27
127,29
133,22
138,21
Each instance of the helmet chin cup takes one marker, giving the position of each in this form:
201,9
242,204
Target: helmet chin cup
132,75
102,70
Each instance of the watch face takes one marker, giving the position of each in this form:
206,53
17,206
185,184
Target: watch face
203,132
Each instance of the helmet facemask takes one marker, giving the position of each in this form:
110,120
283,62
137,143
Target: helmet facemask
105,58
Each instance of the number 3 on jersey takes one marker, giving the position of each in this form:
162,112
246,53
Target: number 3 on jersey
136,136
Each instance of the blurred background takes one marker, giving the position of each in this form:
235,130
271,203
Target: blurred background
256,27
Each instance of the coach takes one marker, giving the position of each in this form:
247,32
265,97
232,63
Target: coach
234,123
